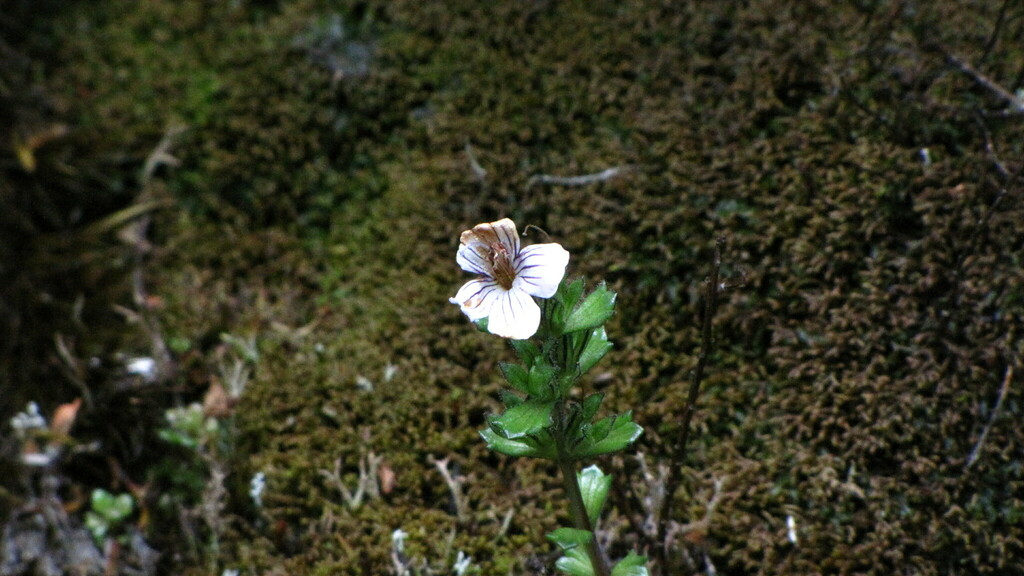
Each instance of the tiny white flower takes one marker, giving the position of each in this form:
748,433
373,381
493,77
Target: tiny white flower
509,277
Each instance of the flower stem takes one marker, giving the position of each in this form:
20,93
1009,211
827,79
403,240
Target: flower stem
577,508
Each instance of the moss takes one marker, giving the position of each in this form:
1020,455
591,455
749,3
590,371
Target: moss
324,181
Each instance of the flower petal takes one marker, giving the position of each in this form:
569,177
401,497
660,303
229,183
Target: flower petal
514,315
483,236
540,268
477,297
506,231
471,259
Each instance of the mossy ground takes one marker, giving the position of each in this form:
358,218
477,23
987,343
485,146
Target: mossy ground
324,179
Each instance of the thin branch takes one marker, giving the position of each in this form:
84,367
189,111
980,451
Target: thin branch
1009,179
366,485
455,483
1000,19
582,180
136,236
712,288
653,498
1015,103
73,368
975,453
698,526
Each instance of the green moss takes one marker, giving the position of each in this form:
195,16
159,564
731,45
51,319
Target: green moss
324,181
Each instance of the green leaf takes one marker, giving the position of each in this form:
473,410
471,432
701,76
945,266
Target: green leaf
569,538
595,310
621,433
172,436
539,447
575,563
527,418
594,486
590,406
632,565
510,400
566,380
112,508
569,293
597,347
599,431
527,351
516,375
540,376
481,324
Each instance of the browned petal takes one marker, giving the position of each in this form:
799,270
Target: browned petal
64,418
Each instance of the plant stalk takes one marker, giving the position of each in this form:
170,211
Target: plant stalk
678,457
577,508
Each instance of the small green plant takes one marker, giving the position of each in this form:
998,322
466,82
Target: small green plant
557,341
108,514
188,427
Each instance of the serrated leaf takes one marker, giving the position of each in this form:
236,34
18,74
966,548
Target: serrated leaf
597,347
569,538
622,432
599,431
527,418
590,406
569,293
536,448
597,308
527,351
510,400
540,376
575,563
632,565
516,376
594,486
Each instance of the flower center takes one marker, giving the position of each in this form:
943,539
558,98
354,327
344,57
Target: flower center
501,266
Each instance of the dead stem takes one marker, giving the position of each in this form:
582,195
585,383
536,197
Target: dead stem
976,452
711,289
582,180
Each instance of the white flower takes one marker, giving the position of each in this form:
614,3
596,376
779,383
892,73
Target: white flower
509,277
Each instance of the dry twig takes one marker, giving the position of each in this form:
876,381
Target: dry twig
582,180
366,486
454,482
976,452
1016,104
